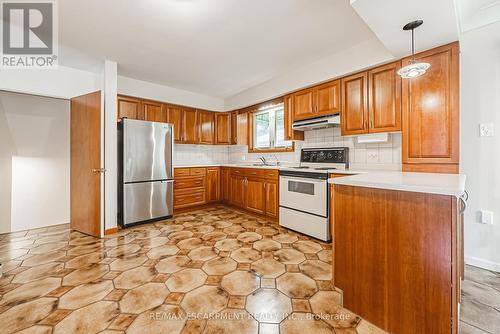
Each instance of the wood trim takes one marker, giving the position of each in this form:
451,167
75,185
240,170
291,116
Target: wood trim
112,230
431,168
251,149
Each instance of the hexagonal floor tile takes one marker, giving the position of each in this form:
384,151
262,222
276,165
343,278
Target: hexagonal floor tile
26,314
171,228
83,261
289,256
235,229
296,285
232,321
287,238
37,260
249,237
134,277
189,243
214,236
172,264
85,294
186,280
269,305
162,319
143,298
267,230
153,242
326,256
266,245
204,253
327,303
300,323
162,251
227,245
38,272
89,319
127,262
317,269
240,283
86,275
245,255
181,235
205,299
307,246
219,266
268,268
30,291
123,250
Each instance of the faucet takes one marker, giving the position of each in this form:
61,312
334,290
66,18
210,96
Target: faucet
277,160
263,160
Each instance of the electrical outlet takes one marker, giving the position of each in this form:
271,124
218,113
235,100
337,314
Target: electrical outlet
486,130
486,217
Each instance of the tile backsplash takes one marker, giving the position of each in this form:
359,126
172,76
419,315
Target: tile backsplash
386,156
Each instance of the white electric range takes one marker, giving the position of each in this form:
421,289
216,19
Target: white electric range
304,193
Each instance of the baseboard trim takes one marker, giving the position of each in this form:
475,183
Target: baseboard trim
111,231
481,263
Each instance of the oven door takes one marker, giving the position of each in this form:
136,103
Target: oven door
304,194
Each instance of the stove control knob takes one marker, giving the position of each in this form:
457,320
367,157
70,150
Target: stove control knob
321,156
329,155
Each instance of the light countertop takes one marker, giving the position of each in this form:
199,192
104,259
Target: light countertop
432,183
281,166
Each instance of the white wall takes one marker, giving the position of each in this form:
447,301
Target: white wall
480,156
144,89
5,172
361,56
62,82
39,132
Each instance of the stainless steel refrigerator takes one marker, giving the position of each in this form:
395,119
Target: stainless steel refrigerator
145,173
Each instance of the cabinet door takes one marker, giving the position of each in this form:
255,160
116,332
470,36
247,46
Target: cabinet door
384,102
130,108
431,111
206,121
354,116
303,104
175,117
213,190
223,128
328,98
255,195
154,112
238,190
288,120
225,184
190,126
234,127
242,129
271,201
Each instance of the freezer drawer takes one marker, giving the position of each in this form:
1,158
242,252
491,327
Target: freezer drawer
147,200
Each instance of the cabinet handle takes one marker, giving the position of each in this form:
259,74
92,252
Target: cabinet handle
371,124
366,124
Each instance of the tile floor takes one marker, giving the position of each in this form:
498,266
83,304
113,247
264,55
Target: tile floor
211,271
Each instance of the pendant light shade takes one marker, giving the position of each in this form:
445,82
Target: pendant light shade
414,69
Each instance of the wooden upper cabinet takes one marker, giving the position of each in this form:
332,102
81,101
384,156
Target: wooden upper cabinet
130,107
431,113
290,134
154,111
223,128
175,117
384,94
190,128
234,127
242,128
327,98
206,121
303,104
354,115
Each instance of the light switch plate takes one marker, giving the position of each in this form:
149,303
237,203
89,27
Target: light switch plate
486,217
486,130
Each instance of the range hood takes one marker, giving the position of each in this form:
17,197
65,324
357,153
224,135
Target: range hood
317,123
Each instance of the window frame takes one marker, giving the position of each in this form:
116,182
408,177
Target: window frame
272,131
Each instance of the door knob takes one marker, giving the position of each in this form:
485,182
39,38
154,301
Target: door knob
98,170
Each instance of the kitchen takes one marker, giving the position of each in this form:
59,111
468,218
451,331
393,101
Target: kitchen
341,202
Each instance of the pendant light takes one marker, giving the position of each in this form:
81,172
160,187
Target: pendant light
414,69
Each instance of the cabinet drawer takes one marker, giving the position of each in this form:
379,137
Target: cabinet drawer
256,172
237,171
198,171
272,174
181,172
189,199
187,183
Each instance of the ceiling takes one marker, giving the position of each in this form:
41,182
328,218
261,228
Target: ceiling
477,13
217,47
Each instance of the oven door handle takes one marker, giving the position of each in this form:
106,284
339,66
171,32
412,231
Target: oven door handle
302,179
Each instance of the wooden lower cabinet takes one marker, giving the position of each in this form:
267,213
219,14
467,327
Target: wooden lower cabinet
213,181
271,198
238,196
255,195
225,184
397,258
195,186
